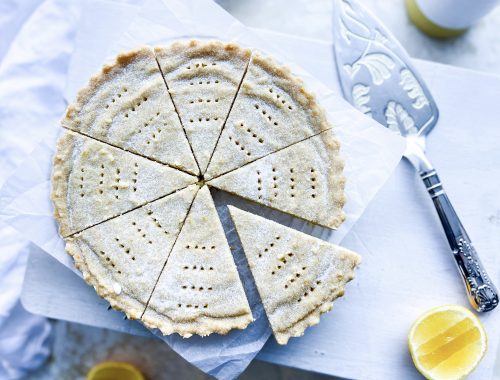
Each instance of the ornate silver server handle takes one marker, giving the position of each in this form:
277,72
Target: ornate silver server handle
482,293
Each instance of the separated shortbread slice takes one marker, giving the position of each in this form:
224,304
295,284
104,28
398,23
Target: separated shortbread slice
203,79
123,257
199,291
128,105
298,276
93,181
304,180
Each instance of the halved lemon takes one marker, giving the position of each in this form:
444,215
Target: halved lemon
447,342
114,371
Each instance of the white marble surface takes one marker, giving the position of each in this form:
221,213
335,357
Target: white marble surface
478,49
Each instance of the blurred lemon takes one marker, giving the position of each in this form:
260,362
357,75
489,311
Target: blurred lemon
447,342
114,371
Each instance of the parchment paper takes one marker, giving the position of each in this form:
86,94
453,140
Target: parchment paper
370,152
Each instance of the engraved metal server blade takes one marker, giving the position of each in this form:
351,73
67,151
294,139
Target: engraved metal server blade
379,79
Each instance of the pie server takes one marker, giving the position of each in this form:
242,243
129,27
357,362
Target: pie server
378,78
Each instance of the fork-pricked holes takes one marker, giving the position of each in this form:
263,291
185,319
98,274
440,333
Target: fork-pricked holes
200,247
156,222
115,98
313,182
135,177
198,288
275,182
124,248
156,131
117,180
136,104
200,65
198,267
311,289
82,182
206,100
203,82
239,146
292,183
141,231
294,277
101,179
279,99
251,133
282,261
270,246
203,120
194,306
105,257
266,115
259,184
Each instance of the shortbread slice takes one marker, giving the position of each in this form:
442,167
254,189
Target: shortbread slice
128,105
272,111
298,276
93,181
203,79
304,180
199,291
123,257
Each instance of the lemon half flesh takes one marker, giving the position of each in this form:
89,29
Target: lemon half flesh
447,342
114,371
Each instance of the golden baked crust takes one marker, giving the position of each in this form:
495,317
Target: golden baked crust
273,110
123,302
304,180
172,57
60,176
298,276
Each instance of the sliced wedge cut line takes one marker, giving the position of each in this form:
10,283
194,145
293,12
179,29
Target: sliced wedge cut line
128,97
93,182
227,116
126,212
313,191
272,110
176,111
208,179
298,276
199,291
192,53
123,269
131,152
173,245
